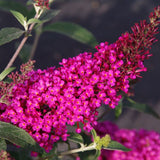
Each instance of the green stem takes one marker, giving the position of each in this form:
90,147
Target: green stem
35,43
16,53
82,149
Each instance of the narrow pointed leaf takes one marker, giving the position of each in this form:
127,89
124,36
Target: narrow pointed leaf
7,5
8,34
48,15
118,109
94,134
98,153
6,72
75,137
18,136
114,145
73,31
19,17
142,108
29,2
33,20
3,145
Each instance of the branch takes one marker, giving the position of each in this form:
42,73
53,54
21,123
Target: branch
21,44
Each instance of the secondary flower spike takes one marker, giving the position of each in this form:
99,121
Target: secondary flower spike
144,145
44,102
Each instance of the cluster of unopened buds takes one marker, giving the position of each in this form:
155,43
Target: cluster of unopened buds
5,156
42,3
102,142
48,100
143,144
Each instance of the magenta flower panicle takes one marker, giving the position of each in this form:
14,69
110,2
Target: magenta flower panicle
44,102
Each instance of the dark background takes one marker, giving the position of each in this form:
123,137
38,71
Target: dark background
107,20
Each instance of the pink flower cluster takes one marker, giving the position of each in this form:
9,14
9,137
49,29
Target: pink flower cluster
144,145
49,100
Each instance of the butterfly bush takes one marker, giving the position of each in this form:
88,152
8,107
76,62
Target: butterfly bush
144,145
45,102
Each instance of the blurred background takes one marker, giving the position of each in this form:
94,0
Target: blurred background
107,20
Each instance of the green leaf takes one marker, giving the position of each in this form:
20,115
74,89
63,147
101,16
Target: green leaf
88,155
33,20
118,109
6,72
18,136
3,145
7,5
31,13
30,2
75,137
114,145
20,18
94,134
142,108
52,153
8,34
74,31
98,153
16,153
87,138
47,15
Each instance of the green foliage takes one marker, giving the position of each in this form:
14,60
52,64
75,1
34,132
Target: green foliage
29,2
31,13
18,136
87,138
8,34
106,143
94,134
141,108
48,15
3,145
98,153
74,31
7,5
33,20
52,154
22,20
114,145
20,154
88,155
6,72
75,137
118,109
